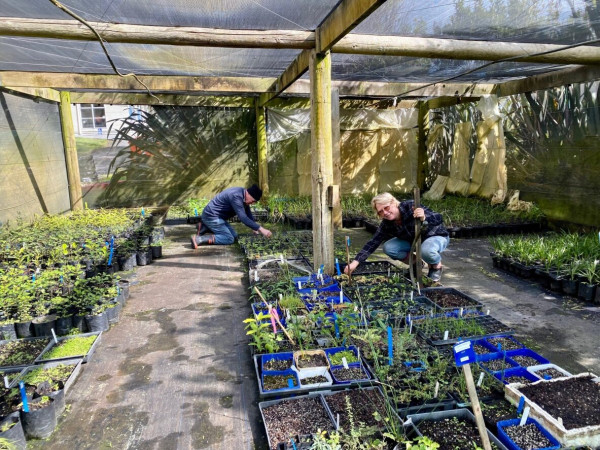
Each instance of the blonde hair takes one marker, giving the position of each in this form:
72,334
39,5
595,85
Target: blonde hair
383,199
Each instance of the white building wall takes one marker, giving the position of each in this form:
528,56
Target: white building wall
115,114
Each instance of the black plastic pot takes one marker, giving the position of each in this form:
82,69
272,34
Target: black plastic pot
43,325
79,322
63,325
112,313
8,332
41,423
586,291
97,322
14,434
569,287
555,281
141,257
24,329
123,286
59,401
156,251
126,263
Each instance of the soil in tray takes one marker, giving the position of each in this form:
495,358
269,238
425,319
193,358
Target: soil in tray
9,401
315,380
448,299
495,365
481,350
506,343
576,400
498,410
15,353
549,372
272,382
451,434
351,373
295,417
310,360
527,436
361,403
277,364
525,361
517,379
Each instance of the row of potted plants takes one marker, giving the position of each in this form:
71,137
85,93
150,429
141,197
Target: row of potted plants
566,262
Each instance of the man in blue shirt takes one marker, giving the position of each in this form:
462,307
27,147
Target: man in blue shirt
227,204
397,229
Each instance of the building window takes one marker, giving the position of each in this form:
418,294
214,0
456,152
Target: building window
93,116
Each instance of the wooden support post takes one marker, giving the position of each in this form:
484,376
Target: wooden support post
476,407
322,165
68,133
422,147
337,165
261,143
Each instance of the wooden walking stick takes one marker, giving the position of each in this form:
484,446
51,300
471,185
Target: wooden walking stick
417,244
274,316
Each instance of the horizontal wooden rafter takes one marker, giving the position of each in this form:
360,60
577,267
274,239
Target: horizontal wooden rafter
294,39
120,98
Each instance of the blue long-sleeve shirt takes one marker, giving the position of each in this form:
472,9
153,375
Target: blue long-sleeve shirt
229,203
388,229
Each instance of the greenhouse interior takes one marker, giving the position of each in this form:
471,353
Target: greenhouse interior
318,224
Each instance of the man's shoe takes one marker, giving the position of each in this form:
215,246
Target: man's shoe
207,239
435,274
193,240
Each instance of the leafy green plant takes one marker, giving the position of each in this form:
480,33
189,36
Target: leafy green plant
263,338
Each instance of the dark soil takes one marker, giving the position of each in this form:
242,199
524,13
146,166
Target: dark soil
575,400
517,379
498,410
351,373
272,382
495,365
314,380
278,364
9,401
311,360
550,372
448,299
295,417
505,343
527,436
452,433
361,403
481,350
20,352
525,361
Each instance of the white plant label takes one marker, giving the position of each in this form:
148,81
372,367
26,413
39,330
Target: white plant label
487,313
314,293
460,312
256,275
6,382
480,380
341,297
411,295
446,335
410,328
299,285
54,336
437,389
524,417
345,362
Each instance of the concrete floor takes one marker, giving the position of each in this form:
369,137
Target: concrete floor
176,372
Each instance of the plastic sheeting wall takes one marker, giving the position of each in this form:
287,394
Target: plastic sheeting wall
33,175
378,151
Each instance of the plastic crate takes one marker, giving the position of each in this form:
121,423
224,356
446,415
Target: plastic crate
510,444
471,304
331,351
504,375
290,375
541,367
527,352
365,379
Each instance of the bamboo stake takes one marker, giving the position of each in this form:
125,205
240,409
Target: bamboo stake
348,260
274,316
476,407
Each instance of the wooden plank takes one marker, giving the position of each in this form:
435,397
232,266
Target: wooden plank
443,102
68,132
322,164
336,158
44,93
346,15
262,147
157,84
578,74
153,34
124,98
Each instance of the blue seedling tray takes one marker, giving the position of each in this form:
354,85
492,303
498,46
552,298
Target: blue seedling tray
290,374
510,444
334,350
518,371
505,336
415,366
275,356
352,366
482,359
330,285
527,352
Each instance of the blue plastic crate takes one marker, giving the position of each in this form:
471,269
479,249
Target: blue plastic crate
289,374
328,285
504,375
483,359
510,444
333,350
505,336
276,356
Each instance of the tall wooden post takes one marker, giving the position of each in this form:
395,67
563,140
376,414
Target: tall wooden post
68,133
322,164
422,147
336,155
261,143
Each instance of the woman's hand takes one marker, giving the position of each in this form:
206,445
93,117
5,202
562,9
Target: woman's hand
419,213
351,267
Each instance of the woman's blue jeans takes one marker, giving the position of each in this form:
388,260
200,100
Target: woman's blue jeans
224,233
431,248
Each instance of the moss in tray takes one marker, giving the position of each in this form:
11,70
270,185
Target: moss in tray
74,346
53,375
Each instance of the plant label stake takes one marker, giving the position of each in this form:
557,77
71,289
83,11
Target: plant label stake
521,405
464,355
525,416
460,312
54,336
341,296
273,314
337,422
23,397
196,212
436,390
336,326
299,285
293,444
6,382
112,250
446,335
390,346
345,362
276,318
480,380
337,266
